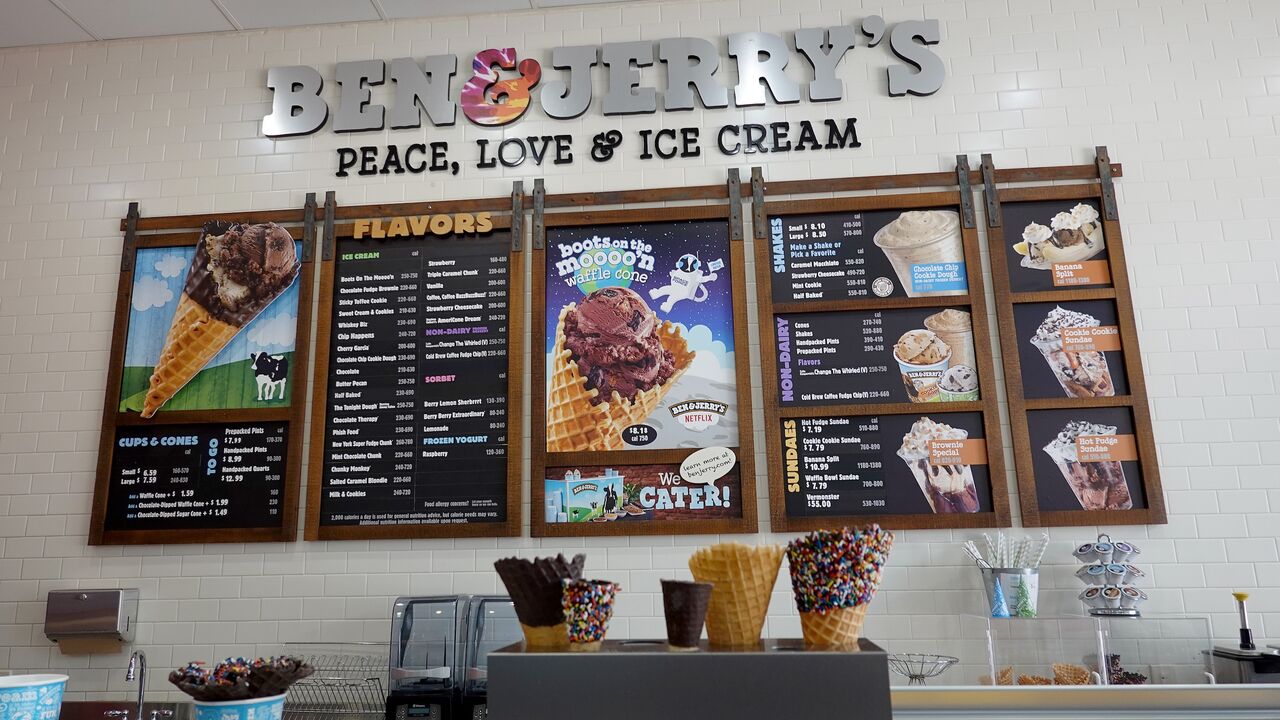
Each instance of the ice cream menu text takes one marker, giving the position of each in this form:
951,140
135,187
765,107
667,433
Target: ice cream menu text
197,477
416,423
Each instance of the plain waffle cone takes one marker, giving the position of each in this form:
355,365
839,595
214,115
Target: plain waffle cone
838,628
743,577
194,338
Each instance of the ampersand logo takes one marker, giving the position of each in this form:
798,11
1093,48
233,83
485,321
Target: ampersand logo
486,100
602,145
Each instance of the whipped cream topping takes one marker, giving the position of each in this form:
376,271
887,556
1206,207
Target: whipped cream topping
915,444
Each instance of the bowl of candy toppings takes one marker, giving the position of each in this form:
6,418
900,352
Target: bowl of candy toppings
240,689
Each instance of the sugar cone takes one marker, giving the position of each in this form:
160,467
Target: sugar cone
743,577
547,636
838,628
194,338
575,423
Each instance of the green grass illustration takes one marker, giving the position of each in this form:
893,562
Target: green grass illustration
225,387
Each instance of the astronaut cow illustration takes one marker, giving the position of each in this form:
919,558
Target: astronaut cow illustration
687,281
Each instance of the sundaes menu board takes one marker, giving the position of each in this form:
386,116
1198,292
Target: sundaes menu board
415,434
877,253
876,356
1077,397
640,337
208,330
877,387
870,465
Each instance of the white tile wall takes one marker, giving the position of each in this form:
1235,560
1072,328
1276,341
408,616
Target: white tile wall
1184,92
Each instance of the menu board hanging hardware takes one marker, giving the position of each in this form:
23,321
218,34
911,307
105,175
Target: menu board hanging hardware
1110,208
201,437
309,227
1078,407
966,192
758,223
130,239
990,194
735,205
539,208
517,216
330,207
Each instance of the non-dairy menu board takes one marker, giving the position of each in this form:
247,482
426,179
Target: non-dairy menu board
197,477
642,493
919,355
1055,245
1085,459
415,428
871,254
885,465
1070,349
640,346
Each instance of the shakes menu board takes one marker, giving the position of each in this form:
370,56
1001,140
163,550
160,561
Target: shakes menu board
642,406
876,362
1077,398
421,368
201,437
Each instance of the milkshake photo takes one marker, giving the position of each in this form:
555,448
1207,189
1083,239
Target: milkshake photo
1098,485
948,488
926,251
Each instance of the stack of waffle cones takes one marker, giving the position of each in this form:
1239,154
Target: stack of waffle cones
834,575
743,578
1034,680
1003,677
536,588
1068,674
576,421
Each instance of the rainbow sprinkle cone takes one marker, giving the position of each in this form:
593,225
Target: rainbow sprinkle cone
743,577
588,606
535,587
834,575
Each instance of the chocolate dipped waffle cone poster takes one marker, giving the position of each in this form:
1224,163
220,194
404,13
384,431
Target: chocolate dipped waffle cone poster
213,326
640,350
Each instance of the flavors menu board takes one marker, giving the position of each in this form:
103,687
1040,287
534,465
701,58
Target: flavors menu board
1077,396
876,389
201,436
415,427
870,465
198,476
871,254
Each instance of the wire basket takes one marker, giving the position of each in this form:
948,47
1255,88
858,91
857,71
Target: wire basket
349,682
917,667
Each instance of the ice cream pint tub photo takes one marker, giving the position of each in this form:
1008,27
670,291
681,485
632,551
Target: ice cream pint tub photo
31,697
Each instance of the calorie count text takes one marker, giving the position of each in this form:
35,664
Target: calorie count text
404,406
813,248
810,341
163,480
842,465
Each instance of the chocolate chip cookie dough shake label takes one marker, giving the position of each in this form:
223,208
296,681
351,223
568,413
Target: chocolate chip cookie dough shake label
1089,457
944,473
925,249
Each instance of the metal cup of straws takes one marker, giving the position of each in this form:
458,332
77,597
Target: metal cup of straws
1019,591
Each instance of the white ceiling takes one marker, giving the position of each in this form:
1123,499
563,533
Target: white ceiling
44,22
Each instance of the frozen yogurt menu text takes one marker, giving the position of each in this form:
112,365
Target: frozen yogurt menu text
416,421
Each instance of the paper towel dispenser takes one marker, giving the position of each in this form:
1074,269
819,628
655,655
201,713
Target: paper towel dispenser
76,615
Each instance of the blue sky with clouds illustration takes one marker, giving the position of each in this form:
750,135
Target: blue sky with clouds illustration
159,274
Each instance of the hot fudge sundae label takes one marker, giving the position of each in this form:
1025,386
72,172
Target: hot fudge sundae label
639,328
1088,459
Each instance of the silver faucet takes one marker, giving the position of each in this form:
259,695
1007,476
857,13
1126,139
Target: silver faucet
138,669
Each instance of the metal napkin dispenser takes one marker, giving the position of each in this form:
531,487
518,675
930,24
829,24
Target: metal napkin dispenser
91,620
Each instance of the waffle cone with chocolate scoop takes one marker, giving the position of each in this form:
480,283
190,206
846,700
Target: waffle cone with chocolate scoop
536,591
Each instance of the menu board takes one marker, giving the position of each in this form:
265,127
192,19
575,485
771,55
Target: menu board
642,424
198,476
417,381
876,388
200,438
1077,397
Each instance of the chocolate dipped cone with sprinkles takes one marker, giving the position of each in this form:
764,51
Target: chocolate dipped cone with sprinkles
834,575
588,607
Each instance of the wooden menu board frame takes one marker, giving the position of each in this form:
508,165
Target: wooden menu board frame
506,213
184,231
731,214
975,300
1101,190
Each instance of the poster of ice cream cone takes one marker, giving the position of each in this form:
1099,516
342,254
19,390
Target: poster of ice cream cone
1070,349
917,355
1055,245
638,493
886,465
870,254
1085,459
640,337
213,326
